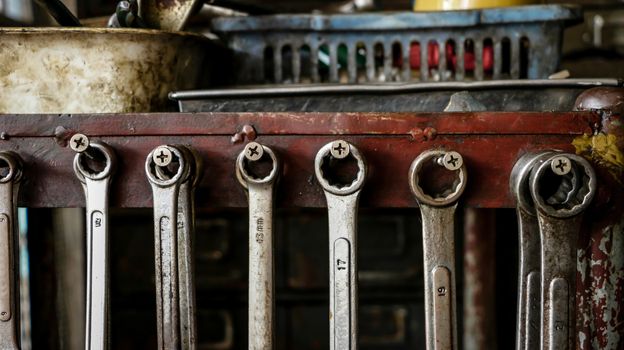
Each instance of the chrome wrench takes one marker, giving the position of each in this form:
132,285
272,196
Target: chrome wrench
438,220
167,168
260,190
96,185
559,225
529,303
342,205
9,252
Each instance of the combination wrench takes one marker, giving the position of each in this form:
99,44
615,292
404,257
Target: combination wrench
559,218
260,191
96,184
438,230
342,205
167,168
9,251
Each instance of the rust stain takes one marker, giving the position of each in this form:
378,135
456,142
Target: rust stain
602,149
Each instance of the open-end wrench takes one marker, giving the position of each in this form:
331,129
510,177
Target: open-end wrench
96,184
260,189
342,205
559,225
438,229
167,168
9,252
529,303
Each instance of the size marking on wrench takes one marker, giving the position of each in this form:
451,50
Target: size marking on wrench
438,220
260,188
342,204
529,303
559,219
96,183
166,182
9,251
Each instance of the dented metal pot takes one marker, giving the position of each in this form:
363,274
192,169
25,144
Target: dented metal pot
97,70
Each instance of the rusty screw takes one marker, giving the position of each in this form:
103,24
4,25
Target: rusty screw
451,161
253,151
162,156
340,149
79,143
561,165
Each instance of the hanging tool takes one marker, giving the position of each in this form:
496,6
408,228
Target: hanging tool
342,205
559,215
261,190
167,15
9,254
438,229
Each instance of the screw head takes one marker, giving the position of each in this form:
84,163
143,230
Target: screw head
561,165
79,143
253,151
340,149
162,156
452,161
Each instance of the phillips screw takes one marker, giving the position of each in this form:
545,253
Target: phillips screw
561,165
253,151
162,156
79,143
340,149
451,161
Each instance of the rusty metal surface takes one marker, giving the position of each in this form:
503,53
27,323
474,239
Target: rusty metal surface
490,143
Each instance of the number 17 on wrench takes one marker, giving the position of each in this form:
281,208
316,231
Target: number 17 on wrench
342,203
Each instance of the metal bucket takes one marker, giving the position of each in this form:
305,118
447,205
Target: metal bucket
97,70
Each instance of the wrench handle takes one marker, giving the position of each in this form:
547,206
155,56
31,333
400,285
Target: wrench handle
186,273
9,318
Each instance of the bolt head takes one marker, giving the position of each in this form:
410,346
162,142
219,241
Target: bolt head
162,156
561,165
340,149
79,143
452,161
253,151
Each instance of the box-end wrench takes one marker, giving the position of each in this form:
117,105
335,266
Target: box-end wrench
260,191
559,219
167,168
529,302
342,205
438,229
96,185
9,251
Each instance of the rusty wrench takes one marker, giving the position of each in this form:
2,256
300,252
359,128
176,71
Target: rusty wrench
438,220
559,225
260,192
9,256
342,205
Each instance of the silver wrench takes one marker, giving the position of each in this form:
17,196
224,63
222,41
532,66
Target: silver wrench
529,303
260,191
9,255
342,205
167,168
559,225
96,184
438,220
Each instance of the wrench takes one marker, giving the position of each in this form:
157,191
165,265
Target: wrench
96,184
9,255
438,214
260,191
342,205
529,303
166,179
559,225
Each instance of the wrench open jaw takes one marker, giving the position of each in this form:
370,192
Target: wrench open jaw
559,219
260,188
438,219
95,180
9,251
342,205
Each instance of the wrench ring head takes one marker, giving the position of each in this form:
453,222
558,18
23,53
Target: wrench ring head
355,186
421,196
585,195
109,157
245,178
182,168
519,180
14,167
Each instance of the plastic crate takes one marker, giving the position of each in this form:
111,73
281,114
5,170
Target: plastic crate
502,43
